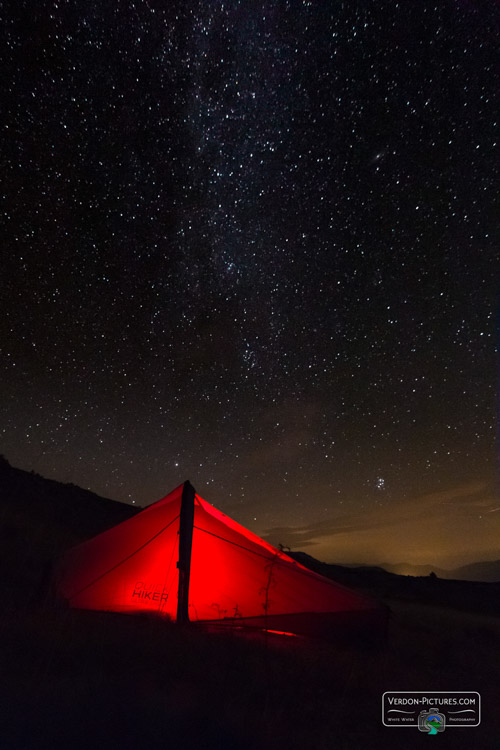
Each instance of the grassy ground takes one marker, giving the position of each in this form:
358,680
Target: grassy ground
90,680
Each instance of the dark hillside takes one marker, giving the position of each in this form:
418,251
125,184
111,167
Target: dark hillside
472,596
39,519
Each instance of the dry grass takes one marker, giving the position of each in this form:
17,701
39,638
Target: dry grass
82,679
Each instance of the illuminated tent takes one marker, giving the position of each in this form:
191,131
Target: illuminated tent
184,560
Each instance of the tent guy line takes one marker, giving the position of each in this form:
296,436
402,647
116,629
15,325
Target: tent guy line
278,554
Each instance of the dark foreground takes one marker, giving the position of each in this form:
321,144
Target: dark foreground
89,680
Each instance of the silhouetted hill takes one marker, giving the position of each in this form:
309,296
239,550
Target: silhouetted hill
39,519
480,571
466,595
487,571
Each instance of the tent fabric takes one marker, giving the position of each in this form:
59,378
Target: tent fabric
236,574
235,577
132,567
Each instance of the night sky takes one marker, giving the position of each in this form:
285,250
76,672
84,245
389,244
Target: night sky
252,245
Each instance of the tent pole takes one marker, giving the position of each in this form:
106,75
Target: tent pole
185,543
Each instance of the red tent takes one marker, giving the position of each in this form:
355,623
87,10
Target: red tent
183,559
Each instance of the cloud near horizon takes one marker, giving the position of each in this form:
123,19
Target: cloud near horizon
452,527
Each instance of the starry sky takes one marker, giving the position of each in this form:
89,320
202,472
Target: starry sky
252,245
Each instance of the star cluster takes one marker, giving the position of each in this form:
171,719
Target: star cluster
252,245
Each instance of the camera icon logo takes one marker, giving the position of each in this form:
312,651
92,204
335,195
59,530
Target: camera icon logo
431,722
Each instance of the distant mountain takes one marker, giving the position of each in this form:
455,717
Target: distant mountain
407,569
480,571
487,571
476,596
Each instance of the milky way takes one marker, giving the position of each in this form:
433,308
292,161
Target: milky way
252,245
